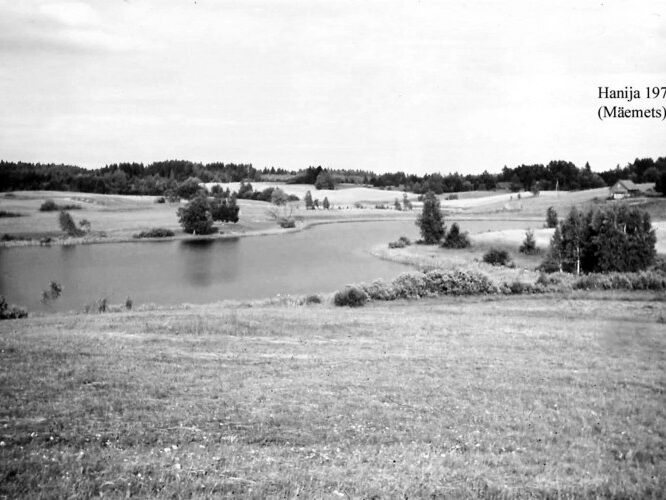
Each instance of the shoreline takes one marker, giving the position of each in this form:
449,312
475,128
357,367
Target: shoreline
188,237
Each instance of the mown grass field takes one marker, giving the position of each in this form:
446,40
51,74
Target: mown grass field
119,217
549,396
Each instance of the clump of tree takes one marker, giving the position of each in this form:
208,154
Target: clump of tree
189,188
224,209
551,217
615,238
324,180
455,239
431,220
68,225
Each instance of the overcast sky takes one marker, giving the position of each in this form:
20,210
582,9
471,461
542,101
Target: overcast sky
418,86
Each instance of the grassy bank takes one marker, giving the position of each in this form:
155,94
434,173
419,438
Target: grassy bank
560,395
117,218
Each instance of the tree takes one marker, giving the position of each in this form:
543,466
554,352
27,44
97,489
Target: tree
551,217
455,239
189,188
279,197
326,204
195,217
528,246
68,225
325,181
430,220
397,204
573,239
406,204
660,185
309,205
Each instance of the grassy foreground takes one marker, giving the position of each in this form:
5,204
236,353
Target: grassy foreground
533,396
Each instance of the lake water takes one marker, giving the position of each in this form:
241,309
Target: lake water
320,259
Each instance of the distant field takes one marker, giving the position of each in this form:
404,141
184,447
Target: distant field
549,396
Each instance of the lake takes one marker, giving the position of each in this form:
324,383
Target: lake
320,259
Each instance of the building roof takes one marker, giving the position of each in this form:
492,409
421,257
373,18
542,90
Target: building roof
626,184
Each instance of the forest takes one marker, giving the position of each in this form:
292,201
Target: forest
159,177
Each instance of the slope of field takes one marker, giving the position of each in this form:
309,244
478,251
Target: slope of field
345,197
551,396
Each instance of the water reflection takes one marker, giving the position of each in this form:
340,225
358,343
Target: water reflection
205,262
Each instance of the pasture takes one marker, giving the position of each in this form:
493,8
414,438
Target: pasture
548,396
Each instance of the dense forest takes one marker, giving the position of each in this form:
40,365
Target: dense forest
163,176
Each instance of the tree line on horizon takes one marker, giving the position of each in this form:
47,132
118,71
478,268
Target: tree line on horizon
159,177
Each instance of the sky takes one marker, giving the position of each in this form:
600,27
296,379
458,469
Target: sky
417,86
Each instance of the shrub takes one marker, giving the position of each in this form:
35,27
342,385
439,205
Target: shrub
411,286
49,206
129,303
313,299
401,242
5,213
293,197
52,292
380,290
455,239
160,199
519,287
85,225
529,244
98,306
287,223
10,311
351,296
156,232
430,220
497,257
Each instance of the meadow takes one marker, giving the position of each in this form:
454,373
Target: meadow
563,397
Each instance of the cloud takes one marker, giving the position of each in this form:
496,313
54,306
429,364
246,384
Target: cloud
58,27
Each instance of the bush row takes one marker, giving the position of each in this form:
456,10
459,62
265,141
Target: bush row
156,232
416,285
51,206
643,280
436,283
10,311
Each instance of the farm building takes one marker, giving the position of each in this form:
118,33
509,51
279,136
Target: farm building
624,189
